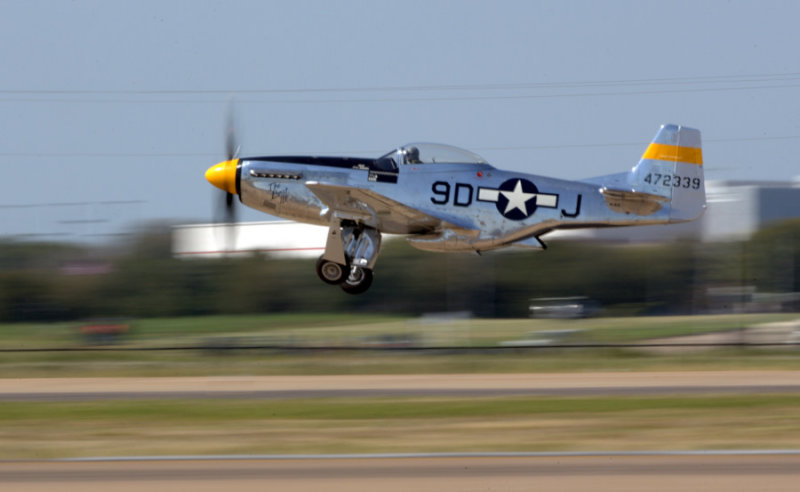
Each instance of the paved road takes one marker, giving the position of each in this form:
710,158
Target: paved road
457,385
558,473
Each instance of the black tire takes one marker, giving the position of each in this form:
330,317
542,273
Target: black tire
330,272
358,283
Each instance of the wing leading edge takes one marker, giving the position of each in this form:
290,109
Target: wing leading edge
373,209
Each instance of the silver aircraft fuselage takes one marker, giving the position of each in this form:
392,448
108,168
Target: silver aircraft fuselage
448,199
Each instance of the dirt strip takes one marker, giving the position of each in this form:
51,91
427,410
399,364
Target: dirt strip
427,383
606,473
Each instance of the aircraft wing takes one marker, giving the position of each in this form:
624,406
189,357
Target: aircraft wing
373,209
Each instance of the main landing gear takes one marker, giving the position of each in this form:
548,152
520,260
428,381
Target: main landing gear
350,255
353,280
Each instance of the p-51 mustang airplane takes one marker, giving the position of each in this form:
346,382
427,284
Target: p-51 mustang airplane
448,199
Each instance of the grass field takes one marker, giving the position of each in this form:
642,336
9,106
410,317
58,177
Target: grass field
348,330
194,363
118,428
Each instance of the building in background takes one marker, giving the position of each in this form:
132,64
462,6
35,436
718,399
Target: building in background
277,238
737,209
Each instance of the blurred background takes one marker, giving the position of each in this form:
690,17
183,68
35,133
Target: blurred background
110,264
141,277
112,113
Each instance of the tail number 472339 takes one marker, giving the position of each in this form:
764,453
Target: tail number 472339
673,180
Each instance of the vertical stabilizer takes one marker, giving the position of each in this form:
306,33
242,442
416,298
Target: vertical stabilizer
672,167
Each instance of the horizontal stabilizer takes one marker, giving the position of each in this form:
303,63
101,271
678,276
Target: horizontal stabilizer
633,202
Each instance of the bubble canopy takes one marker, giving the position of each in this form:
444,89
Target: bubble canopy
433,153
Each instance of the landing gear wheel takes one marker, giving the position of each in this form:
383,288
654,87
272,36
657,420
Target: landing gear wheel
330,272
358,281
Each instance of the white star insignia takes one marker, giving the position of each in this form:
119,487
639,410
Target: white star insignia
517,199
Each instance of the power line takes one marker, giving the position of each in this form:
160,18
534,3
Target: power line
110,154
742,78
402,99
212,155
73,204
762,82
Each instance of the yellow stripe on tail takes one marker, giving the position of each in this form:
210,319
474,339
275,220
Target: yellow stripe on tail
673,153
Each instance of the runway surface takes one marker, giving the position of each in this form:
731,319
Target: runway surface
456,385
563,473
617,473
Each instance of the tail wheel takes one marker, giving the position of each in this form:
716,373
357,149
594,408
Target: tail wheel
331,272
358,281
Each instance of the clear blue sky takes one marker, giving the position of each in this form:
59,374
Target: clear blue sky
126,101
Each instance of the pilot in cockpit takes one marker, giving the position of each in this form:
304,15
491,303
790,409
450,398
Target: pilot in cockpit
412,156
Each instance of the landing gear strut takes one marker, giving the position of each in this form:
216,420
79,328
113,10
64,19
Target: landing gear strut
350,255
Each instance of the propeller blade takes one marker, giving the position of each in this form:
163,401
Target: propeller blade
230,208
228,213
231,142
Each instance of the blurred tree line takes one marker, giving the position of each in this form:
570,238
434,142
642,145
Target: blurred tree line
140,278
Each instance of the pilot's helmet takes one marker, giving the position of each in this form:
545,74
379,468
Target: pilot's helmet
412,155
